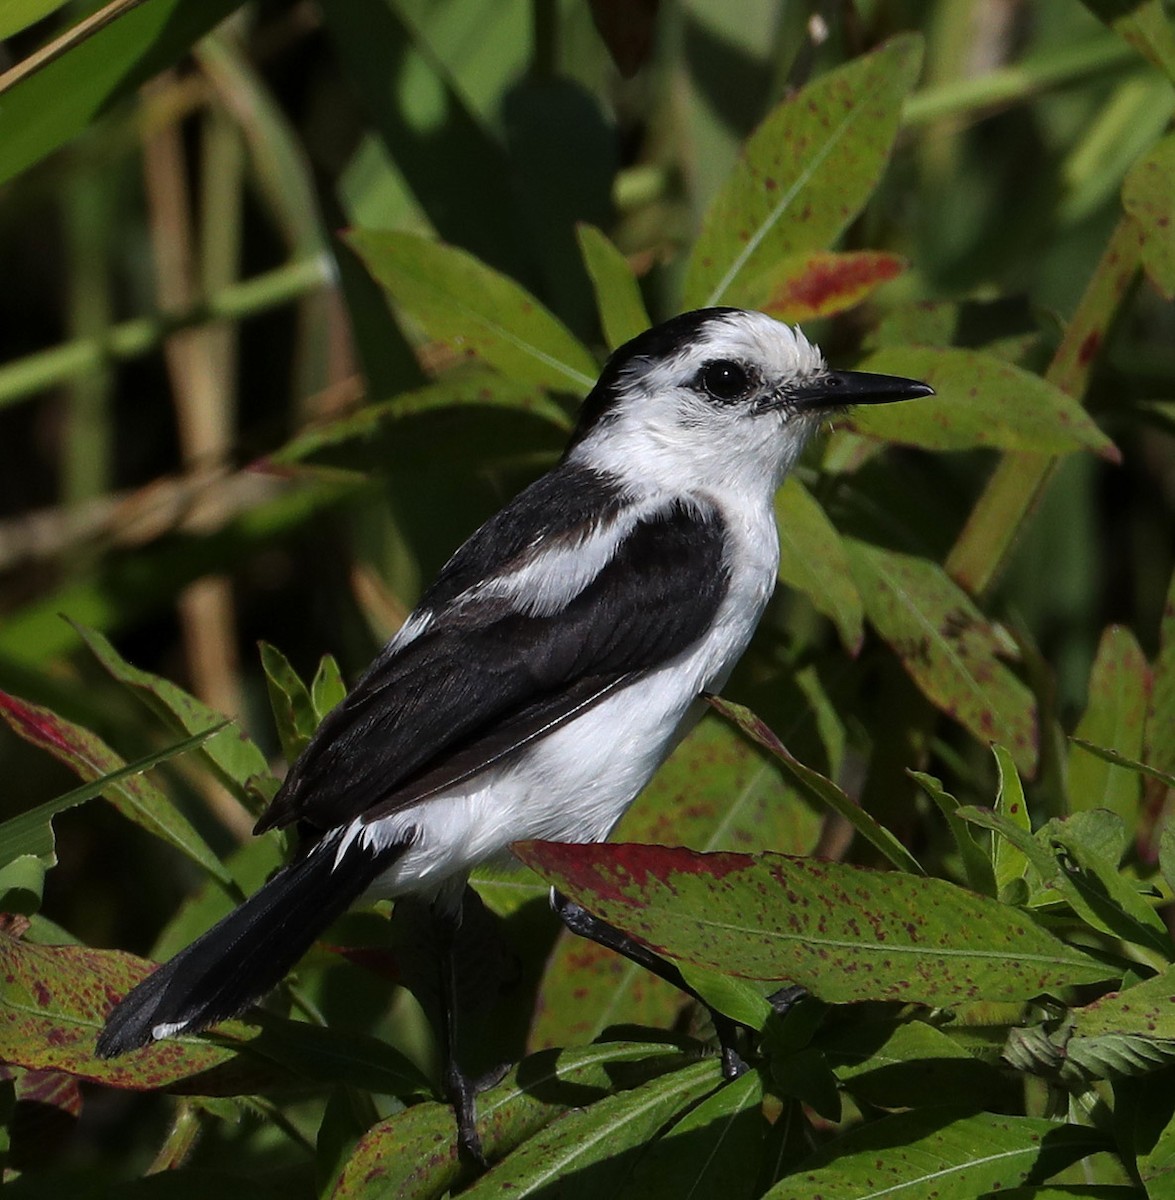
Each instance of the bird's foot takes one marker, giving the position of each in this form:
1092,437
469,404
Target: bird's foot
462,1093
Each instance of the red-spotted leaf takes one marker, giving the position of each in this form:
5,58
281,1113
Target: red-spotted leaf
618,295
136,797
812,560
946,644
1148,195
843,932
716,792
804,174
414,1153
476,310
944,1153
806,286
980,400
1114,718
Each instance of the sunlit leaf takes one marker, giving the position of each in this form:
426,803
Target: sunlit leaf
944,1152
1148,195
293,707
947,646
1009,862
842,932
476,310
812,560
804,174
327,688
1115,716
977,863
16,15
820,284
979,400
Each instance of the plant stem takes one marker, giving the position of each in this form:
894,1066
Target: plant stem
180,1140
26,376
1019,481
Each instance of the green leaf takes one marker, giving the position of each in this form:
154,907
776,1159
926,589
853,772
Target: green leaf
950,650
22,882
328,689
590,1150
1008,861
234,754
618,295
16,15
938,1152
1115,716
714,1150
804,174
414,1153
1114,758
1148,195
812,560
908,1064
1145,24
977,865
136,798
475,310
293,708
716,792
1160,721
843,932
46,109
818,786
980,400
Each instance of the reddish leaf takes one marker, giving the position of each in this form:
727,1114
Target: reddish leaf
843,932
819,285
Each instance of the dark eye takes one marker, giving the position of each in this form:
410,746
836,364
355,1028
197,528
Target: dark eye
725,380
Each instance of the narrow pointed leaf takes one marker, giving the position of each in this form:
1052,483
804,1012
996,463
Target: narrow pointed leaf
475,310
714,1150
977,865
327,689
293,707
817,785
589,1151
233,752
1160,721
1008,859
812,560
618,295
804,174
947,646
1148,195
1115,716
136,797
1117,759
842,932
927,1153
979,400
1125,1030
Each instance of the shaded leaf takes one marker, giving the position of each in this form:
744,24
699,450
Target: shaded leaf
1160,722
977,865
947,646
618,295
818,786
979,400
1115,716
590,1150
475,310
414,1153
804,174
137,798
945,1153
22,882
293,708
19,14
714,1150
812,560
1148,195
804,287
842,932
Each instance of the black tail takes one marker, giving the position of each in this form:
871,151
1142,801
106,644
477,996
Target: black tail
239,959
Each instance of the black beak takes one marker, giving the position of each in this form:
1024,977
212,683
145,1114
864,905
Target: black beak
839,389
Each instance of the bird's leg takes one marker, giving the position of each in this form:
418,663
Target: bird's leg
460,1090
584,924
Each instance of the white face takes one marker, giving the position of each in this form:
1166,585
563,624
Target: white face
706,412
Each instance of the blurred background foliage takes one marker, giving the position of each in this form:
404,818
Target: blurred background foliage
180,303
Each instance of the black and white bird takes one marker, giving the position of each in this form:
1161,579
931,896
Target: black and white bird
552,665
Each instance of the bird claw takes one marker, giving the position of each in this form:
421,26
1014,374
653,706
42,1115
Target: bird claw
462,1093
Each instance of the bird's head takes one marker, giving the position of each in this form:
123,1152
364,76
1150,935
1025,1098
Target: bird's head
721,396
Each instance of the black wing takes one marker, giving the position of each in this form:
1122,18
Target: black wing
478,685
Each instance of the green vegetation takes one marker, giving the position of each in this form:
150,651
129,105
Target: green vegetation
295,295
